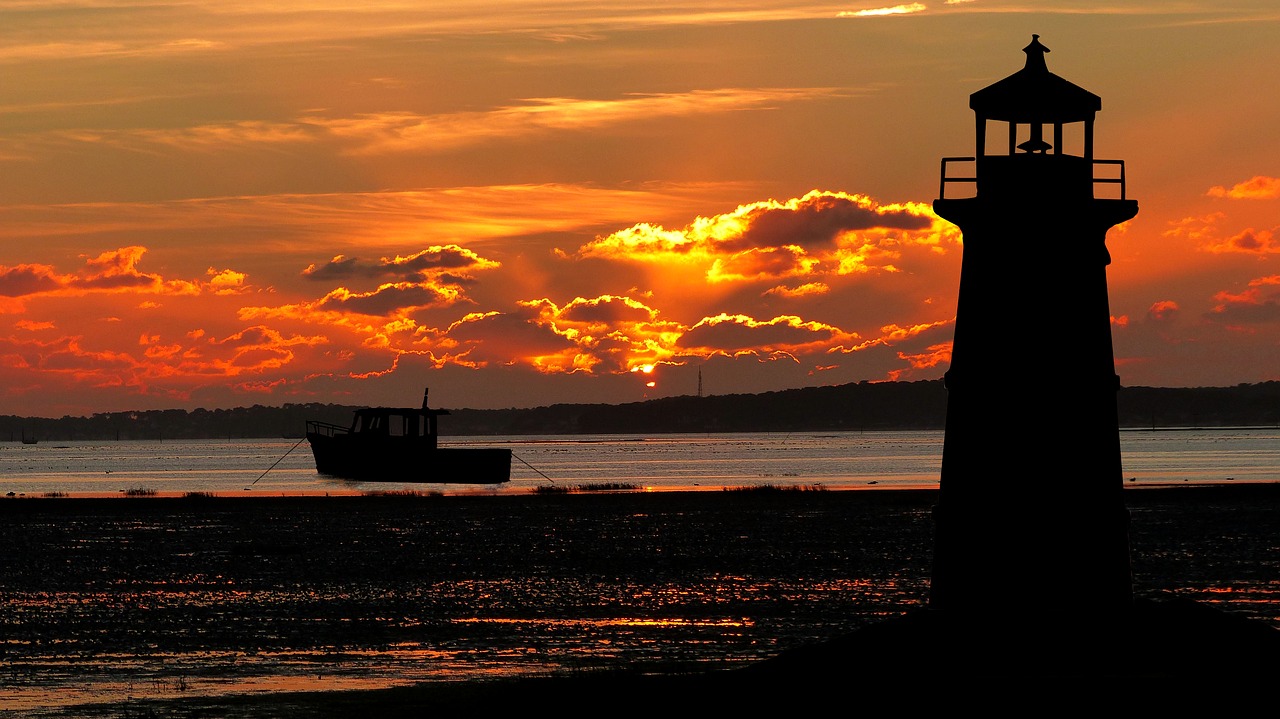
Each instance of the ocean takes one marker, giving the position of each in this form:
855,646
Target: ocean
832,460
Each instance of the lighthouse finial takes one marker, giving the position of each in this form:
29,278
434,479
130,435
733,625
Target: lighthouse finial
1035,55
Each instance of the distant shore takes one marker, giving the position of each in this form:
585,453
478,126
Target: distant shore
860,406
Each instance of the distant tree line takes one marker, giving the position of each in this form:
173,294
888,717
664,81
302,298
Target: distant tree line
849,407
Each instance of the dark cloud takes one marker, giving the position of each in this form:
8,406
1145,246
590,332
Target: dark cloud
26,280
259,356
732,336
387,300
339,268
818,220
431,262
606,309
1247,313
116,282
507,336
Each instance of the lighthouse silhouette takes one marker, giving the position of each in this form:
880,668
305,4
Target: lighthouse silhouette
1032,591
1031,488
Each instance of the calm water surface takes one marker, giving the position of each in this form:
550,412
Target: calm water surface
835,460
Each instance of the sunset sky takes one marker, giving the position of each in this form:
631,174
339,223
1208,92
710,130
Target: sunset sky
517,204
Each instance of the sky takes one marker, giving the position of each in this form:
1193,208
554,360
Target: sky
520,204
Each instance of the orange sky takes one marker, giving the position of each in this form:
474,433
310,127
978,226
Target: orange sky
527,203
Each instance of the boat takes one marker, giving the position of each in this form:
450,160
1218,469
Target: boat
401,444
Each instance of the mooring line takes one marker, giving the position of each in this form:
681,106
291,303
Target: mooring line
278,461
530,466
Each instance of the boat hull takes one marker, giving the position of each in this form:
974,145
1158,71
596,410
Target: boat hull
389,459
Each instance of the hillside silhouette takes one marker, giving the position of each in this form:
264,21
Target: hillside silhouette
862,406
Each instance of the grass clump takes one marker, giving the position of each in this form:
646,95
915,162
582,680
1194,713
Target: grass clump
592,487
774,488
403,493
139,492
54,495
607,486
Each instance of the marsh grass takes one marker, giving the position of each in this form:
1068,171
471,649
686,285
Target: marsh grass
403,493
774,488
139,492
591,487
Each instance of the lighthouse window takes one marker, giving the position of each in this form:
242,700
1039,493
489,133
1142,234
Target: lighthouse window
1064,139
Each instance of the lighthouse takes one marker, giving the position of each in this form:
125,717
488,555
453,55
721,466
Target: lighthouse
1030,514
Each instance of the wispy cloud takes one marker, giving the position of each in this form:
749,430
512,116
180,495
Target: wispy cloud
907,9
394,132
1259,187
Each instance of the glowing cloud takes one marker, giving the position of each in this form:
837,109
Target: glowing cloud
114,272
738,334
1259,304
1162,311
389,299
809,288
910,9
1259,187
509,338
819,233
1250,241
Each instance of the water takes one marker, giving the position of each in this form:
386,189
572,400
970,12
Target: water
834,460
126,607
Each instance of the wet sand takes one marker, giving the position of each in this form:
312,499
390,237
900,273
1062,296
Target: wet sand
1206,562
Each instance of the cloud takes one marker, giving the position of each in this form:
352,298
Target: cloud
762,263
390,299
61,51
606,309
908,9
612,334
1206,232
1162,311
809,288
893,334
1258,304
1202,228
114,271
1259,187
820,233
380,310
226,282
1250,240
397,132
738,334
511,338
30,279
430,278
433,261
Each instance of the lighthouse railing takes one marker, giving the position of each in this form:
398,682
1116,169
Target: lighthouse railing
1118,180
942,186
1110,179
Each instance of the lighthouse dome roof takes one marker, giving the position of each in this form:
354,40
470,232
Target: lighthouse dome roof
1035,95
